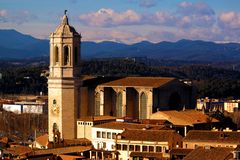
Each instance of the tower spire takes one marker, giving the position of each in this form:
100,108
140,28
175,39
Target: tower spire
65,18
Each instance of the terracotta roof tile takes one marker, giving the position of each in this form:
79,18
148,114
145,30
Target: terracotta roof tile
63,150
125,125
70,157
4,140
146,154
150,135
42,140
97,118
19,150
218,153
213,136
154,82
187,117
180,151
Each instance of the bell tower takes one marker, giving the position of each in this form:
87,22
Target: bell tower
63,82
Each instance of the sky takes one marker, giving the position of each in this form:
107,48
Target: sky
127,21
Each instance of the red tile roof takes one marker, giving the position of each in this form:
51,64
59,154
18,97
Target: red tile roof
187,117
212,136
154,82
42,140
125,125
63,150
18,151
218,153
97,118
146,155
150,135
4,140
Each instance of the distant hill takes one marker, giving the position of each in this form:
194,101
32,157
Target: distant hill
17,45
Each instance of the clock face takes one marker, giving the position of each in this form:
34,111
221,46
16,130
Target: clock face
55,109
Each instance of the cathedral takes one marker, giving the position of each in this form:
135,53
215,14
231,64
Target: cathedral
72,96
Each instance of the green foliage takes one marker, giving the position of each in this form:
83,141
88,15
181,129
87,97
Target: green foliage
22,80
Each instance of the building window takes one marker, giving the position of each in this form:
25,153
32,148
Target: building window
108,135
137,148
158,149
144,148
97,104
124,147
104,144
143,106
131,147
113,135
119,105
66,59
151,149
103,134
98,134
56,54
112,146
119,147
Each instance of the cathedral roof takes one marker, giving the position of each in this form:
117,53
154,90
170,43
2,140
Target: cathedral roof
64,28
140,81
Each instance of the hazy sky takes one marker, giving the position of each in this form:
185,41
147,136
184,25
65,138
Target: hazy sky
127,21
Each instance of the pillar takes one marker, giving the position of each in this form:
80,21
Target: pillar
102,102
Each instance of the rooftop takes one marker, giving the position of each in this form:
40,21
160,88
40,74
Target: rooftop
147,155
187,117
218,153
18,150
42,140
97,118
213,136
154,82
150,135
63,150
125,125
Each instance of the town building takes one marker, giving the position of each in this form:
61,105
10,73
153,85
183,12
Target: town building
85,124
213,105
196,138
104,135
147,144
185,120
212,153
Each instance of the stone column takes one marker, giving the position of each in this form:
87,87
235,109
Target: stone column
124,102
102,102
149,102
100,90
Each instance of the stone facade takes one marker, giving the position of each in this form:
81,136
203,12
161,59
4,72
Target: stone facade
63,84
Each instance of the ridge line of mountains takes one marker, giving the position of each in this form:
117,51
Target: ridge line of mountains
19,46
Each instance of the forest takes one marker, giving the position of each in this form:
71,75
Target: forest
18,77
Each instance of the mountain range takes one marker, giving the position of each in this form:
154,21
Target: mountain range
17,45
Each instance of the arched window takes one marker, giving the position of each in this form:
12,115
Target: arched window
55,127
119,105
76,55
143,106
97,104
56,54
66,55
